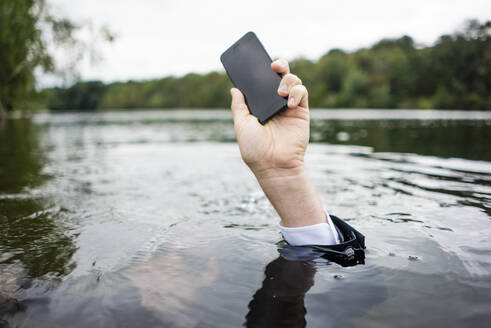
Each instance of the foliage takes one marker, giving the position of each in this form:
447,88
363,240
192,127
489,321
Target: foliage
23,48
29,35
393,73
454,73
191,91
82,95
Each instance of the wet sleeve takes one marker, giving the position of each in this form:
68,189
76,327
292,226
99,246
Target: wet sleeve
318,234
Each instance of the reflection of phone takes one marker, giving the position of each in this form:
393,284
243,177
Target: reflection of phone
249,67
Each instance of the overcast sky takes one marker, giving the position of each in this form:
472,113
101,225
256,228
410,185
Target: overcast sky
156,38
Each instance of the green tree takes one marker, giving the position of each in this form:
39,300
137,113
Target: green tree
23,48
27,30
453,73
80,96
459,68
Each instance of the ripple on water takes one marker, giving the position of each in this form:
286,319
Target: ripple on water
147,223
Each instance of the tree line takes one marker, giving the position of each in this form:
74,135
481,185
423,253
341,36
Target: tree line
452,73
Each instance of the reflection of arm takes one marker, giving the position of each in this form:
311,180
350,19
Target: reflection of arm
280,300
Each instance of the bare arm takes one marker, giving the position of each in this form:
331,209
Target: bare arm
275,152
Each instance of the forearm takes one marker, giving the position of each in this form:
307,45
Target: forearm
292,194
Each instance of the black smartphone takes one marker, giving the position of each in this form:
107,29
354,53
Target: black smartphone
248,65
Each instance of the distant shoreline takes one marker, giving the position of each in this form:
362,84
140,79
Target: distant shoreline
224,114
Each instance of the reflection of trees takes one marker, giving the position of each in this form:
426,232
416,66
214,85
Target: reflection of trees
31,229
465,139
22,158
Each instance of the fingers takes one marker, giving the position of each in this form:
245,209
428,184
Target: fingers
298,97
289,80
281,66
239,107
287,83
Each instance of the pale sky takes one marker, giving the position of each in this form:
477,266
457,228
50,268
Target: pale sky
156,38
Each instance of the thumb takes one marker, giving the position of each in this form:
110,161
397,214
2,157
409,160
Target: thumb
239,107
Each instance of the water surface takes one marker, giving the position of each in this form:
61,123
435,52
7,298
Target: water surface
150,219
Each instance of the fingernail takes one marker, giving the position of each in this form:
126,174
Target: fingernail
291,101
283,88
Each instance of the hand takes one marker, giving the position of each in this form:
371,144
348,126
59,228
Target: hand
278,146
275,151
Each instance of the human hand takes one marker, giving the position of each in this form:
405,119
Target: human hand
275,151
277,147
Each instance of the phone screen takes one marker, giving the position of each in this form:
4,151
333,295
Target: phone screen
249,67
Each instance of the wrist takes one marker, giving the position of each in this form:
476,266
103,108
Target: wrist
274,174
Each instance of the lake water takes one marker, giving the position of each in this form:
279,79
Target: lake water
150,219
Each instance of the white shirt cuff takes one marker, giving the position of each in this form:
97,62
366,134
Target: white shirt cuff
318,234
